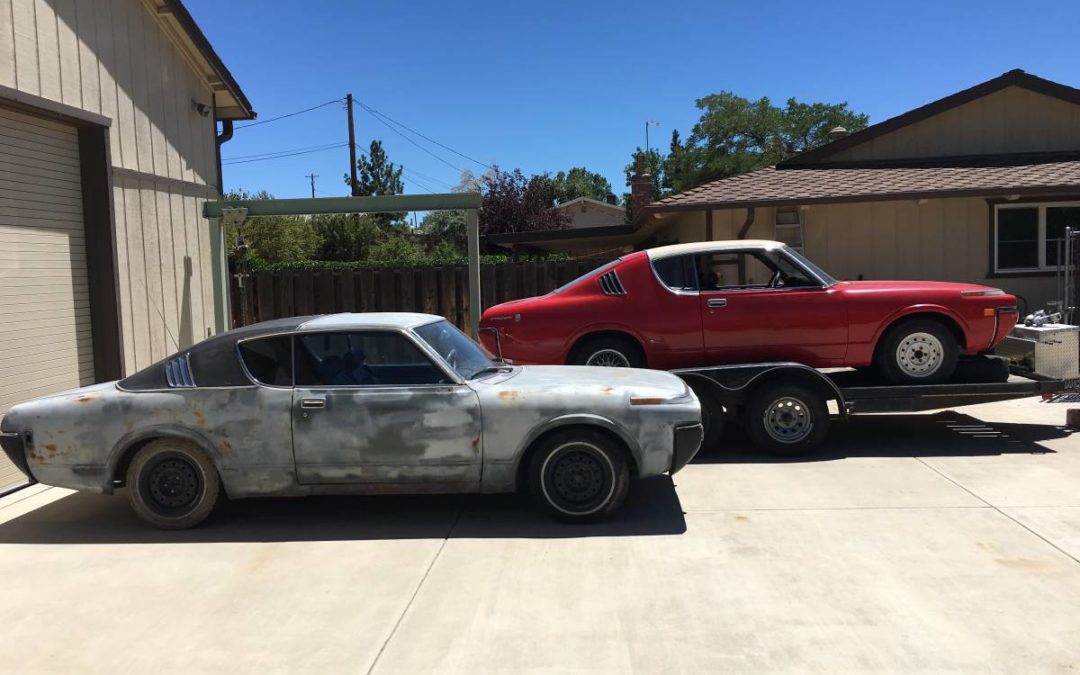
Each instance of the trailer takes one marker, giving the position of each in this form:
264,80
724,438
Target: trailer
786,408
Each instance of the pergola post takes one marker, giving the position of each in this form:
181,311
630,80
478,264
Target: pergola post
219,264
472,225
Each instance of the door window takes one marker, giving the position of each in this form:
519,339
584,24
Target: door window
676,272
369,358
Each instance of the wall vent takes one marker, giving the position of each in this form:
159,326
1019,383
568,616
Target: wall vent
178,372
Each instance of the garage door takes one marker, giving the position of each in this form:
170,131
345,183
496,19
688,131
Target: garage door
44,302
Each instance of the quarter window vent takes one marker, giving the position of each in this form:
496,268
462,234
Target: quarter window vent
610,284
178,372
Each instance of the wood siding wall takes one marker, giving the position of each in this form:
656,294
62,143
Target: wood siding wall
942,239
1008,121
114,58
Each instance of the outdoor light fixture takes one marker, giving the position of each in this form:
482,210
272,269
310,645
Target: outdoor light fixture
200,108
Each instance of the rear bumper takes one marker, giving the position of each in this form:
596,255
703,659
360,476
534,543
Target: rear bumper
687,443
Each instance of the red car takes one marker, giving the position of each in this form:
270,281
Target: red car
721,302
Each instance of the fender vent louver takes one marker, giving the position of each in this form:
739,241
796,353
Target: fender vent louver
610,284
178,372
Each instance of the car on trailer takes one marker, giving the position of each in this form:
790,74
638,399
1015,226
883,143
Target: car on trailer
355,404
730,302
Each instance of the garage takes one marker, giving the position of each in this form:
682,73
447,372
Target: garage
44,297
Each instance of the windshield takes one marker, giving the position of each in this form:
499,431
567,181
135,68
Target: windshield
822,274
598,270
466,357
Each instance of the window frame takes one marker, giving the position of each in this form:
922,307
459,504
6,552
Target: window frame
1044,266
436,362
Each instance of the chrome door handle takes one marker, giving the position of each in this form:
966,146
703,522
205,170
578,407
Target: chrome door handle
312,403
716,302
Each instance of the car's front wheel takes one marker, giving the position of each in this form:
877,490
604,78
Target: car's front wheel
172,484
579,475
918,351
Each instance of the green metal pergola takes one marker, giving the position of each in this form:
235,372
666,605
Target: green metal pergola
221,213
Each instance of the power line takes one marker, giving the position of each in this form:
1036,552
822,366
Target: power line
426,138
391,128
278,152
427,177
422,186
289,154
292,114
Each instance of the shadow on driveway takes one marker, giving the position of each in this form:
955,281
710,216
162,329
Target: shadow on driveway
944,434
651,508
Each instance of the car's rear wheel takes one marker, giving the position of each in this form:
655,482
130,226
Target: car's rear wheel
918,351
609,351
786,420
579,475
172,484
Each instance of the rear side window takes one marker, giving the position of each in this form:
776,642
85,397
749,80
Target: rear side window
675,273
269,360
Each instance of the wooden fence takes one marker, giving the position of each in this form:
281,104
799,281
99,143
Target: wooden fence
260,296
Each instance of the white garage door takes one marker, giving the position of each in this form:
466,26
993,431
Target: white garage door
44,302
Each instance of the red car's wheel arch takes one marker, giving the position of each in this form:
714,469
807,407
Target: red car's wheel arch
956,325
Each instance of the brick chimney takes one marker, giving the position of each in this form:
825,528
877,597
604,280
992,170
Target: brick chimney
641,190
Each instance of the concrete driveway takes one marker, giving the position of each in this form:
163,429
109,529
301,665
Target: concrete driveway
945,541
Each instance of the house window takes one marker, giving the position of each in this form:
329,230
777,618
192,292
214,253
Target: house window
1026,235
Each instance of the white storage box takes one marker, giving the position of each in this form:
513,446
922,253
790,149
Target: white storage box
1051,351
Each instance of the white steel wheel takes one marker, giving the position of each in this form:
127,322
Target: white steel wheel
788,420
919,355
610,358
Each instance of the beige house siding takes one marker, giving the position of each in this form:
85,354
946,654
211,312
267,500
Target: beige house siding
115,58
941,239
1008,121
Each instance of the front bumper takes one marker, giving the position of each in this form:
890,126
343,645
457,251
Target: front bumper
687,443
14,447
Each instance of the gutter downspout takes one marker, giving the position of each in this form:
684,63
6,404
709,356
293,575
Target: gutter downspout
742,235
219,263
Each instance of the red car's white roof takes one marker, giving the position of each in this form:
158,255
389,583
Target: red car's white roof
711,246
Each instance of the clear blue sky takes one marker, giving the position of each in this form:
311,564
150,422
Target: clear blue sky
544,86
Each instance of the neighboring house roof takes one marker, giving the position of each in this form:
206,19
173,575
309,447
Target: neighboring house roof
588,201
937,178
1013,78
229,100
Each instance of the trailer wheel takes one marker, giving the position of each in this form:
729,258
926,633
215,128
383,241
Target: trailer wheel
786,420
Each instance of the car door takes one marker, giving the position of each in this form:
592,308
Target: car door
372,407
749,313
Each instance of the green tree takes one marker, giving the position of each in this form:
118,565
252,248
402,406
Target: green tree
580,182
377,176
271,238
444,223
511,202
345,237
394,248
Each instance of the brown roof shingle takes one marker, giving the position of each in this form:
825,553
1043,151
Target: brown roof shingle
944,178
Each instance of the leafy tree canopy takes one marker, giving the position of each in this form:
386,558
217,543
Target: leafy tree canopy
514,203
378,176
580,182
735,135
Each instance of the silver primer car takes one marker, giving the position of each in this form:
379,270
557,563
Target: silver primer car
356,404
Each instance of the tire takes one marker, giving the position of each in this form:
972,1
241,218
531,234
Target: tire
172,484
917,351
713,417
579,476
610,351
786,420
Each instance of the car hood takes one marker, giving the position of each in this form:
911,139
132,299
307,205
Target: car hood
909,286
577,380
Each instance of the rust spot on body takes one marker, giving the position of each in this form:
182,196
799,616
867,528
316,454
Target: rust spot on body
85,398
226,444
476,442
742,518
510,395
200,419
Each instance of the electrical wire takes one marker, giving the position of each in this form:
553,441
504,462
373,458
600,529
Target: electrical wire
278,152
289,154
292,114
394,129
427,177
426,138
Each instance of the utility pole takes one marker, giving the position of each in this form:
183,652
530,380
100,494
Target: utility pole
312,176
352,146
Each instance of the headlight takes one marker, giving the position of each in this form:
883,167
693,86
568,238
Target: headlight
685,397
982,293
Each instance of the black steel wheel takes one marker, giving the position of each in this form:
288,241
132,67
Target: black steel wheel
172,484
786,420
579,475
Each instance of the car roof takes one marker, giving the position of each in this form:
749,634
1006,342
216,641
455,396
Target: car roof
711,247
364,320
